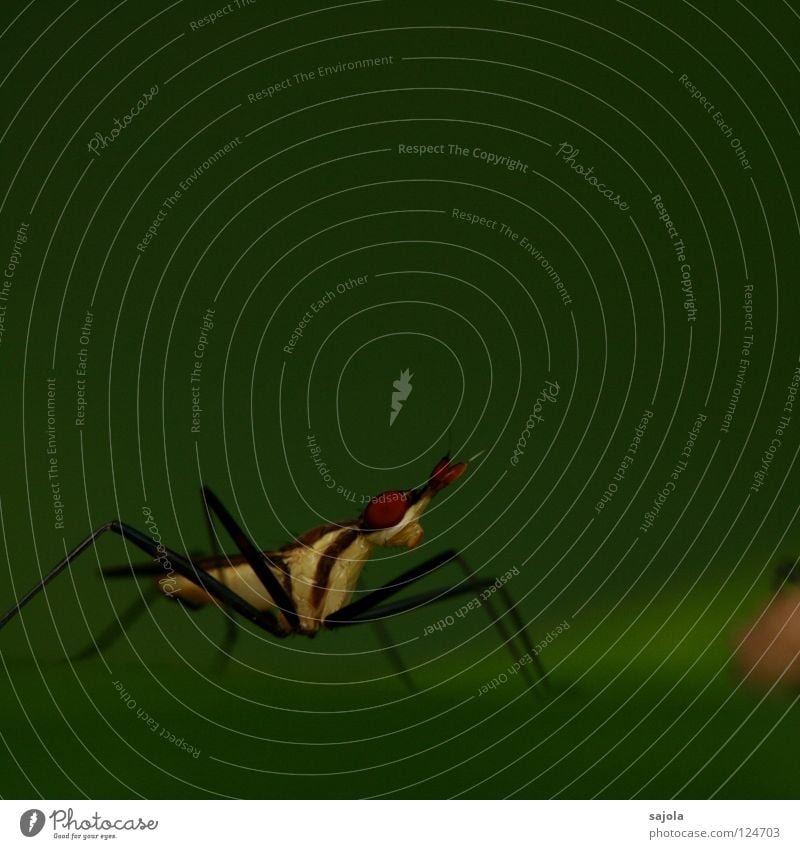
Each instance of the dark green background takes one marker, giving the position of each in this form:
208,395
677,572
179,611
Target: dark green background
647,702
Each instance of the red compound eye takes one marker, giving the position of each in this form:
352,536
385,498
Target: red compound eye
386,509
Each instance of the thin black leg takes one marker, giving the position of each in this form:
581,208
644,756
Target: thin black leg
231,629
226,647
416,601
259,561
377,615
350,612
354,613
180,565
394,655
118,627
524,636
132,570
213,539
506,637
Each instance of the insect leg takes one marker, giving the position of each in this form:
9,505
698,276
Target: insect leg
231,632
225,648
258,561
394,655
349,613
376,619
353,613
506,637
182,566
412,603
119,626
524,636
377,614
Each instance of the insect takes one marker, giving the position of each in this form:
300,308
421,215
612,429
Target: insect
307,585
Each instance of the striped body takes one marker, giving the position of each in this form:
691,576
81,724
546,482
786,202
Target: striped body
319,570
310,580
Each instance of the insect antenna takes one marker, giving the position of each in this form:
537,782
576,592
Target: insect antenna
449,441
